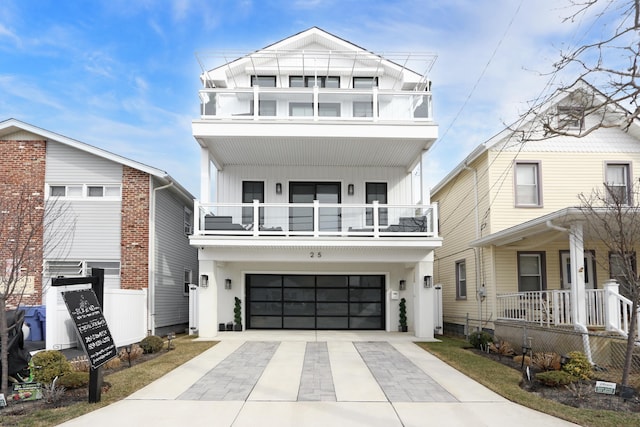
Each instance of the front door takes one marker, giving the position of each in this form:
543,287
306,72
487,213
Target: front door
301,218
589,277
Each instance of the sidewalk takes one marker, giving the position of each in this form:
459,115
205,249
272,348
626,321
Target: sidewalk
315,379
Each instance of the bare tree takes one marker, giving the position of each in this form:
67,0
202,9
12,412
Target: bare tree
613,219
29,227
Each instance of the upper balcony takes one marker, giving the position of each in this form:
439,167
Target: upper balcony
317,104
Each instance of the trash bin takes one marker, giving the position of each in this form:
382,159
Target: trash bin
42,317
31,319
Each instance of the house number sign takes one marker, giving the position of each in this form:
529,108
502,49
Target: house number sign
315,254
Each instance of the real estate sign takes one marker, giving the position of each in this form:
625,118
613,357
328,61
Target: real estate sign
91,325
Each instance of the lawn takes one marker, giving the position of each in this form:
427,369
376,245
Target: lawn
123,383
505,381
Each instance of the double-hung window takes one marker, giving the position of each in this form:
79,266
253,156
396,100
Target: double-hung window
461,280
617,178
531,271
527,184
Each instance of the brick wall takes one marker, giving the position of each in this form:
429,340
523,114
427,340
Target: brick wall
134,273
22,174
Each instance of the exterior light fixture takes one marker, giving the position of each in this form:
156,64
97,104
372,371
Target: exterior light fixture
403,285
427,281
204,281
227,283
350,189
278,188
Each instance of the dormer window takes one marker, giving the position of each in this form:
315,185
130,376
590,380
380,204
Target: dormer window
263,81
311,81
570,118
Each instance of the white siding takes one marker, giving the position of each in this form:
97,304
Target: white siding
67,165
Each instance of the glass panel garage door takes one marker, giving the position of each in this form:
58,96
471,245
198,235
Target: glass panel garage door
315,302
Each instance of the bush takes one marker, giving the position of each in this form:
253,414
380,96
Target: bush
80,364
480,339
73,379
555,378
152,344
502,348
547,361
129,356
578,366
49,364
113,363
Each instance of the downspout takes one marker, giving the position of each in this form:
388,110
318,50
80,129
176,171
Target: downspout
151,307
579,327
480,291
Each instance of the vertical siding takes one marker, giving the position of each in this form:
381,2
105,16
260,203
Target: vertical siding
172,255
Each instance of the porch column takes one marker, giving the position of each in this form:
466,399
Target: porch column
207,299
423,300
205,176
578,292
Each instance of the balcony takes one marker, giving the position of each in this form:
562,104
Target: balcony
316,220
316,104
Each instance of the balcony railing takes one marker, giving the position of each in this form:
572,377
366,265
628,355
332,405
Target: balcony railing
316,220
316,104
605,308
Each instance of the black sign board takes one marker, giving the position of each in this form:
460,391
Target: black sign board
91,325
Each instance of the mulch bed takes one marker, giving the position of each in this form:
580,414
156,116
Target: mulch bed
578,395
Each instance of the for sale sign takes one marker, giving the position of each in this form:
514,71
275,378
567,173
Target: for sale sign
91,325
605,387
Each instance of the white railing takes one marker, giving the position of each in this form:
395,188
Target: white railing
260,103
605,308
316,219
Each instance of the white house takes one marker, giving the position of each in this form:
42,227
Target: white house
312,148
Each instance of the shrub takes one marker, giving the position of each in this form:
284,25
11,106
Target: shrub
80,364
129,356
547,361
480,339
50,364
578,366
152,344
555,378
73,379
519,359
113,363
502,348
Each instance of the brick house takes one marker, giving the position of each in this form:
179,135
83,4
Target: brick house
128,218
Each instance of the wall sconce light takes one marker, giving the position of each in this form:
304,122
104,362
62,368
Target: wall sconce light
204,281
350,189
227,283
403,285
278,188
427,281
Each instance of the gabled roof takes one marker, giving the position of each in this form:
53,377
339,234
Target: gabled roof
11,126
527,122
314,50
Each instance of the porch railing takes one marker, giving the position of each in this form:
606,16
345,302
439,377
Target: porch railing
315,220
605,308
263,103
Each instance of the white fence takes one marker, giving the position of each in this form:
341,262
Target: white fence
125,311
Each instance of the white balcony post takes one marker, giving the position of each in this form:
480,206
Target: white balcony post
375,104
256,217
578,292
611,306
376,219
316,103
256,102
197,217
316,218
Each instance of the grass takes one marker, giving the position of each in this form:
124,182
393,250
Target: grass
505,381
123,383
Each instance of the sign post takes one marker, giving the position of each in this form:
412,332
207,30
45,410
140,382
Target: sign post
85,309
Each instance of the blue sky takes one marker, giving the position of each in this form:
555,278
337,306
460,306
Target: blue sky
123,75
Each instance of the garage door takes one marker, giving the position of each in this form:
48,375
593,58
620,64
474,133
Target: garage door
315,301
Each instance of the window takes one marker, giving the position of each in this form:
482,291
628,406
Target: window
111,268
527,184
252,190
617,180
300,109
570,118
377,191
531,272
64,268
311,81
80,191
362,109
461,280
188,222
365,82
188,279
263,81
617,267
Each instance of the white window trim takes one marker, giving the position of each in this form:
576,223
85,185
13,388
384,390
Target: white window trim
84,192
627,177
538,185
